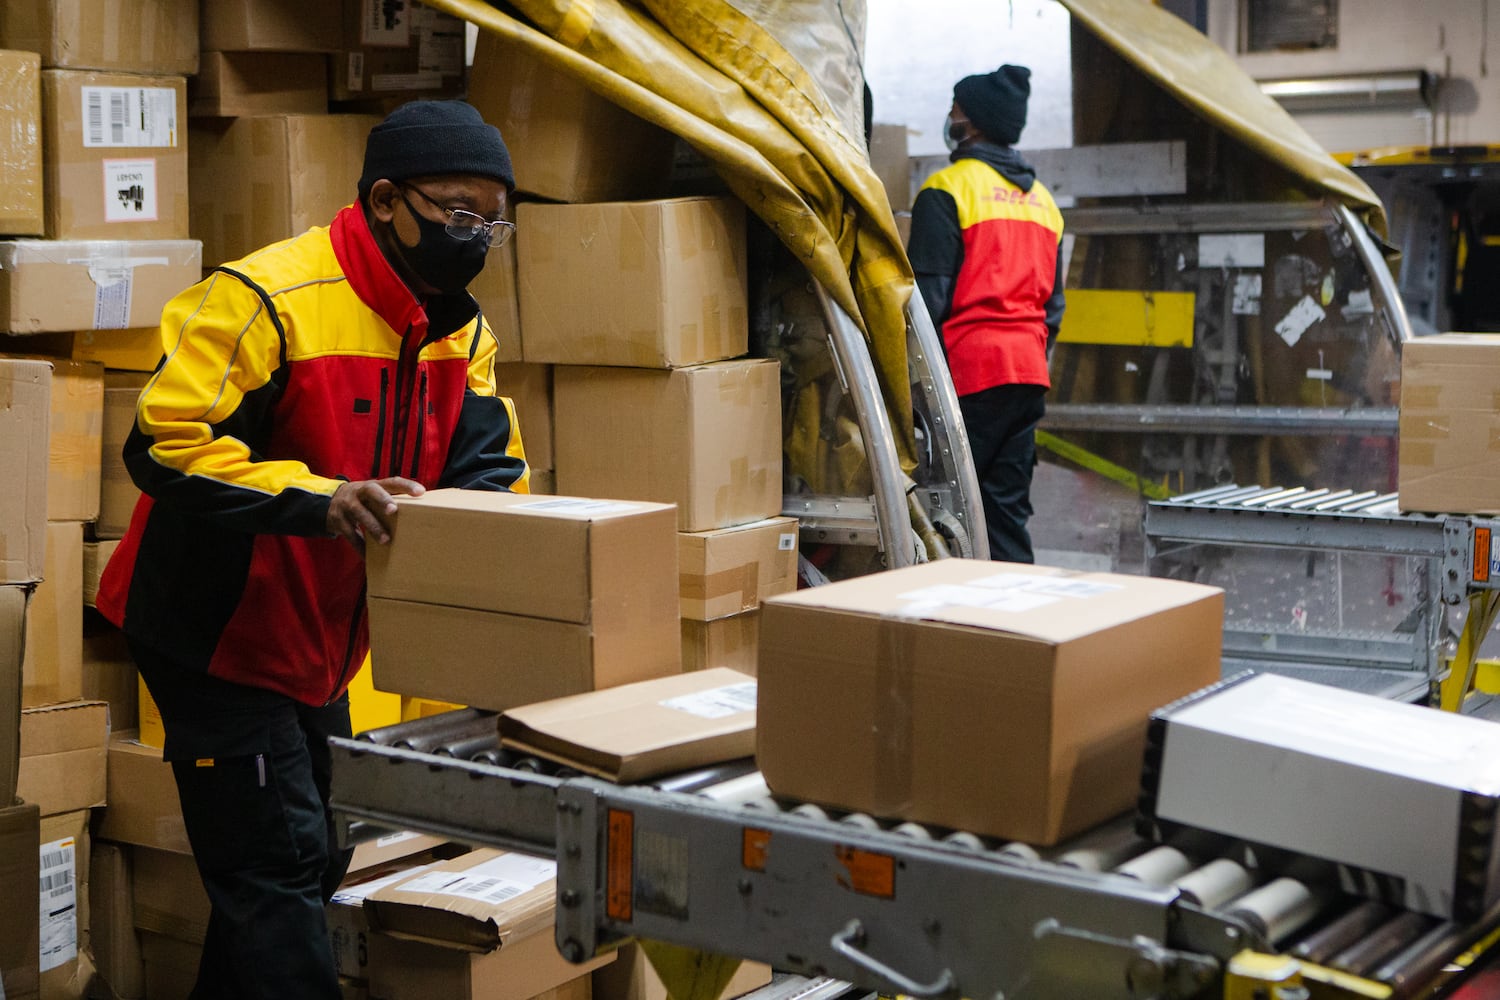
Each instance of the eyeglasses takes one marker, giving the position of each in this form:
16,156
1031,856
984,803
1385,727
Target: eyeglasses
465,226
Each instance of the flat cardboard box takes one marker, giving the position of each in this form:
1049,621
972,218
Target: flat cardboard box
728,571
109,673
731,642
568,143
414,970
271,26
20,840
1447,460
495,291
530,389
123,36
112,937
74,439
64,856
258,180
643,730
143,807
169,895
136,350
1004,699
397,51
114,155
68,285
63,756
12,643
117,491
96,556
631,976
666,283
52,670
348,925
21,202
171,966
707,438
25,416
392,849
236,84
1256,758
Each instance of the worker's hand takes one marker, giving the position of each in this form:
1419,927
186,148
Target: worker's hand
364,509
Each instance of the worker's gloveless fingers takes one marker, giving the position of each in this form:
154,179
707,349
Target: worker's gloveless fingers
366,509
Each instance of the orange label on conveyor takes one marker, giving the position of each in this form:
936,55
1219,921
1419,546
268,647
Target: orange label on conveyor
868,873
619,874
1481,555
754,846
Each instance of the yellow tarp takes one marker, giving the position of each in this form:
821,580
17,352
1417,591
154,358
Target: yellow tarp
705,71
1205,78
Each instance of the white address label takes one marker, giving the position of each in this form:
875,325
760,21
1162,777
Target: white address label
717,702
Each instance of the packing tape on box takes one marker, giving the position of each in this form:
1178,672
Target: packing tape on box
1421,397
743,580
744,482
1433,428
894,720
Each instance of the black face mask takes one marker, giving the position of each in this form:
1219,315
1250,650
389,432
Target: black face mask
440,260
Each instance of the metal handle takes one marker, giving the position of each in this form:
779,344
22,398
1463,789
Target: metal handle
847,943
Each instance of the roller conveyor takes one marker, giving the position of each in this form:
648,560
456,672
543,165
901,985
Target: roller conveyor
708,860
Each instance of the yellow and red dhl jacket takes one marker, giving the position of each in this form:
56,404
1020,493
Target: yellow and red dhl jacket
986,246
304,365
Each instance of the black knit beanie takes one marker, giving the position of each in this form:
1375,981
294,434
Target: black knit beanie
996,102
434,137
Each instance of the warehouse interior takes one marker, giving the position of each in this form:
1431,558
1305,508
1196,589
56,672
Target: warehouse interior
675,662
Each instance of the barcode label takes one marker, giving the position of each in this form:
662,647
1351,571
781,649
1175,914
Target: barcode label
717,703
58,903
134,117
113,289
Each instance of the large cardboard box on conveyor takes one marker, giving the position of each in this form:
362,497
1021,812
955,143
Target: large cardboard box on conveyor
69,285
25,416
707,438
115,148
666,284
122,36
499,599
1007,700
21,202
1418,791
257,180
478,926
1449,453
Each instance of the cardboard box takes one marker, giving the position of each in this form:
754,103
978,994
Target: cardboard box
495,291
666,282
443,938
117,492
891,161
397,50
20,840
1257,757
124,36
271,26
171,966
638,731
707,438
599,610
1007,700
235,84
52,670
255,181
543,482
169,895
348,925
109,673
530,389
96,556
732,570
136,350
143,807
392,849
568,143
112,937
631,976
731,642
92,284
21,202
12,644
74,439
64,856
114,156
1448,461
25,416
63,756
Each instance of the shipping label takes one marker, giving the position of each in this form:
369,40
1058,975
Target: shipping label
717,702
129,117
59,903
112,294
130,191
577,505
495,881
385,23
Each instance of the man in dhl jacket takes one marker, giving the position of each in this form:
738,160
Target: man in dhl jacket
986,246
302,388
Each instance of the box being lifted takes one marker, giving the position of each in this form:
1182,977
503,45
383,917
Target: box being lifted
1402,798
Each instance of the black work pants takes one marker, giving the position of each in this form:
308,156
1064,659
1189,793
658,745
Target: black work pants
1001,426
252,769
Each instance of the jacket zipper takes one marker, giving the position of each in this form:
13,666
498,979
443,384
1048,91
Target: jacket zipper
385,384
405,376
416,452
